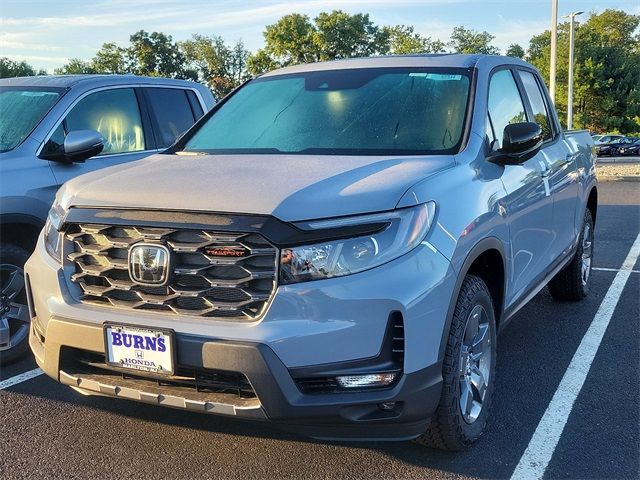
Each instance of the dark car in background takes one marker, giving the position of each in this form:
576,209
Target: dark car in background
608,138
630,149
612,148
53,128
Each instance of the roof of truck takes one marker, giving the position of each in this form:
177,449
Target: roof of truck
435,60
67,81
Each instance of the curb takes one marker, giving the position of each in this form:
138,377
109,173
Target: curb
618,178
617,160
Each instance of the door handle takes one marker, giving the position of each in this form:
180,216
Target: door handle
567,159
544,169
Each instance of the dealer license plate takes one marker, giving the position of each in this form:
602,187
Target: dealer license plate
139,348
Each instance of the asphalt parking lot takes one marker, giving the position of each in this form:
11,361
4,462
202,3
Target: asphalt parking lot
49,430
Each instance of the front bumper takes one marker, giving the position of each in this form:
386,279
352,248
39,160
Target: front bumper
350,415
338,323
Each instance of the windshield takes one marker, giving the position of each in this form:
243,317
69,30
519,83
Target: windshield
381,111
21,109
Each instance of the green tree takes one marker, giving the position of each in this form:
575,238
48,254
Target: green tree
216,64
155,54
111,59
291,40
606,71
515,50
11,68
465,40
261,62
74,67
403,39
334,35
341,35
539,45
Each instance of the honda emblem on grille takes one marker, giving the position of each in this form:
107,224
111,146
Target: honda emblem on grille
149,264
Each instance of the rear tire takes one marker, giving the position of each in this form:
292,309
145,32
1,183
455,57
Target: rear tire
573,281
13,305
461,416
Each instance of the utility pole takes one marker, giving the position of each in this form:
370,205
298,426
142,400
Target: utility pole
554,38
572,17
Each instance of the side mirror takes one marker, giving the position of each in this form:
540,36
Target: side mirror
82,144
520,142
77,147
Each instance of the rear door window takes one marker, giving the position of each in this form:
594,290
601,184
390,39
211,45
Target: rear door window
172,112
195,104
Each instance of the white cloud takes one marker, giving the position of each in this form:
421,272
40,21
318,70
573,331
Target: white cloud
435,29
509,31
21,41
104,20
57,61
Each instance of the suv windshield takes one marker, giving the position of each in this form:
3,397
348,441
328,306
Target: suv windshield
22,109
376,111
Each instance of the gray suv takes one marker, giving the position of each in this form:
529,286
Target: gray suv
333,248
49,126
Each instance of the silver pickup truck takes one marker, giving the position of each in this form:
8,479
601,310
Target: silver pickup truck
333,248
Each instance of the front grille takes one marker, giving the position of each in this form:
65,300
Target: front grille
204,282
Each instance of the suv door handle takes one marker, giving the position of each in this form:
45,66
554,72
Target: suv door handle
544,169
567,159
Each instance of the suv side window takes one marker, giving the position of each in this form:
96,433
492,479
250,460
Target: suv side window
195,104
505,103
173,114
114,113
540,114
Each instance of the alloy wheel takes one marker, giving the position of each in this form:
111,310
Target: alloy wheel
14,314
587,253
475,364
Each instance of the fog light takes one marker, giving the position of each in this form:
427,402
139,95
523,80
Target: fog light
387,406
369,380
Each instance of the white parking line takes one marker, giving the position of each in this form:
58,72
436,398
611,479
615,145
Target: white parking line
23,377
603,269
543,443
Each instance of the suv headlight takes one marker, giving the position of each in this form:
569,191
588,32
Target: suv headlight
52,235
401,231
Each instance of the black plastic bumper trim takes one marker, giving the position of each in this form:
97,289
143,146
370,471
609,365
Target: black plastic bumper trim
346,415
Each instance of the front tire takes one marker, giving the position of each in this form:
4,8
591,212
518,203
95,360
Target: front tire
14,314
468,371
572,283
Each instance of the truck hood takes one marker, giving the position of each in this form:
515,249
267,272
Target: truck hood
289,187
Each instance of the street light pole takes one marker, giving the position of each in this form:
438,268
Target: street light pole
572,17
554,38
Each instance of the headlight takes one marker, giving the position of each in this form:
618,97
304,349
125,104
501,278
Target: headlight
52,236
402,230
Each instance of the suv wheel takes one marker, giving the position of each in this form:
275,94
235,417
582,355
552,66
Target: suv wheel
573,281
468,371
14,314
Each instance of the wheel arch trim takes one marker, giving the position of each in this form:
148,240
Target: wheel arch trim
483,246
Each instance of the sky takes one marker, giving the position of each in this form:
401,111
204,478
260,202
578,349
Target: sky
48,33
